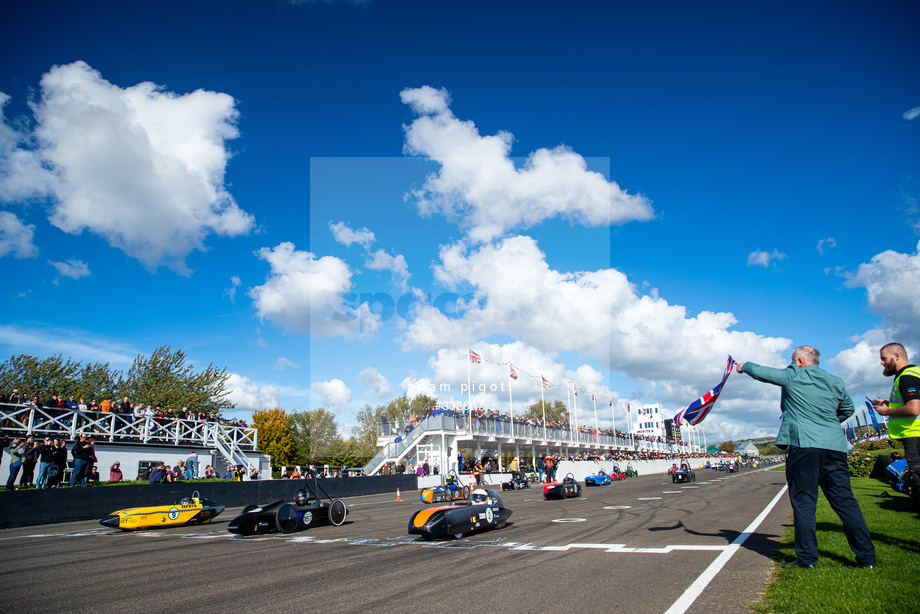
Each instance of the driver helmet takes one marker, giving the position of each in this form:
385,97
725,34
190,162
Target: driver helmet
301,497
480,496
186,501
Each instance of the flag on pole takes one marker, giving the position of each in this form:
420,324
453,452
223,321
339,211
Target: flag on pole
576,389
874,419
546,384
513,372
697,411
475,358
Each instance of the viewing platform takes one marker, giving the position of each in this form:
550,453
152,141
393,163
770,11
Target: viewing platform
128,438
437,438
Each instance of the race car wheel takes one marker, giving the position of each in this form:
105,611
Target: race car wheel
286,519
466,492
337,512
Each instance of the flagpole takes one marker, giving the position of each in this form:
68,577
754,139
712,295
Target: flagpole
469,388
614,418
596,427
575,415
568,410
510,400
543,403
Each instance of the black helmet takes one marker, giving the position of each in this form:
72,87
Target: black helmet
301,497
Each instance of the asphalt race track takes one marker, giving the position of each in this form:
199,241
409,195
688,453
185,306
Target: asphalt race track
635,546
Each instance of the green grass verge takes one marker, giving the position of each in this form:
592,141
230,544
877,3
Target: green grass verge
836,585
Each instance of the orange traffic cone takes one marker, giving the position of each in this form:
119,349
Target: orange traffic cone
398,498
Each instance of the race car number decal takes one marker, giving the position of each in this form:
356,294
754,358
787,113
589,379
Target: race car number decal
307,518
489,515
173,513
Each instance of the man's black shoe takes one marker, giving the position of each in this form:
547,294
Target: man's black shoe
798,563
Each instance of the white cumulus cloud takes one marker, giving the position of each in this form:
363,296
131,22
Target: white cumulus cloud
249,396
140,166
912,114
72,268
479,186
375,384
765,259
343,234
334,394
22,175
16,238
306,294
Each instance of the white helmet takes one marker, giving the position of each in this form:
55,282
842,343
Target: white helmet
480,496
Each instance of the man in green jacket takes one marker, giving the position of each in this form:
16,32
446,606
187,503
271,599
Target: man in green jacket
814,403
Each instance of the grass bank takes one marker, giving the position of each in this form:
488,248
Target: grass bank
836,584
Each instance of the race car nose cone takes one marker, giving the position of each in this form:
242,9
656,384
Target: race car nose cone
110,521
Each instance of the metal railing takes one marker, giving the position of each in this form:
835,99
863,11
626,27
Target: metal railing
409,435
230,441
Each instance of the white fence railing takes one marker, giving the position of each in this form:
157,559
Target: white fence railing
231,441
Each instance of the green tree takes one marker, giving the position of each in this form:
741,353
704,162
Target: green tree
275,437
771,449
314,433
555,411
364,433
34,376
728,447
164,379
402,408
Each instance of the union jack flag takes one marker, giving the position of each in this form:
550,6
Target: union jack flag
475,358
546,384
697,411
576,390
513,372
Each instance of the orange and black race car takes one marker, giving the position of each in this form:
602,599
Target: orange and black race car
486,511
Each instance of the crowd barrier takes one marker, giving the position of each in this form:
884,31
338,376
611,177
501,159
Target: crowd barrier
35,507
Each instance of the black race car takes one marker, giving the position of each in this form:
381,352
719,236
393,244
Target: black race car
565,489
684,474
486,511
307,510
517,482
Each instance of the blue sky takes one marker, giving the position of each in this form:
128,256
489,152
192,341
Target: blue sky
626,193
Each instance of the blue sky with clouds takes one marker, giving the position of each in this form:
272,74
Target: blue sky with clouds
334,199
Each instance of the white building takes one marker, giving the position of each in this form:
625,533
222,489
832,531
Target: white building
648,420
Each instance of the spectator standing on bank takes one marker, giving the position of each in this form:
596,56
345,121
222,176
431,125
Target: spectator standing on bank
59,456
813,404
83,457
903,409
17,449
541,468
228,473
45,461
29,460
191,473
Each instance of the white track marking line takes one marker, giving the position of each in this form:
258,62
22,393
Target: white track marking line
695,590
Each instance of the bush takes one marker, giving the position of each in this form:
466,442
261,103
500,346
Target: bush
861,460
861,463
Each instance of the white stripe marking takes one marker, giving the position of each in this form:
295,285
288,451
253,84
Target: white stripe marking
695,590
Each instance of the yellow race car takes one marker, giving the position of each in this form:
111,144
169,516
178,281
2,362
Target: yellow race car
190,510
